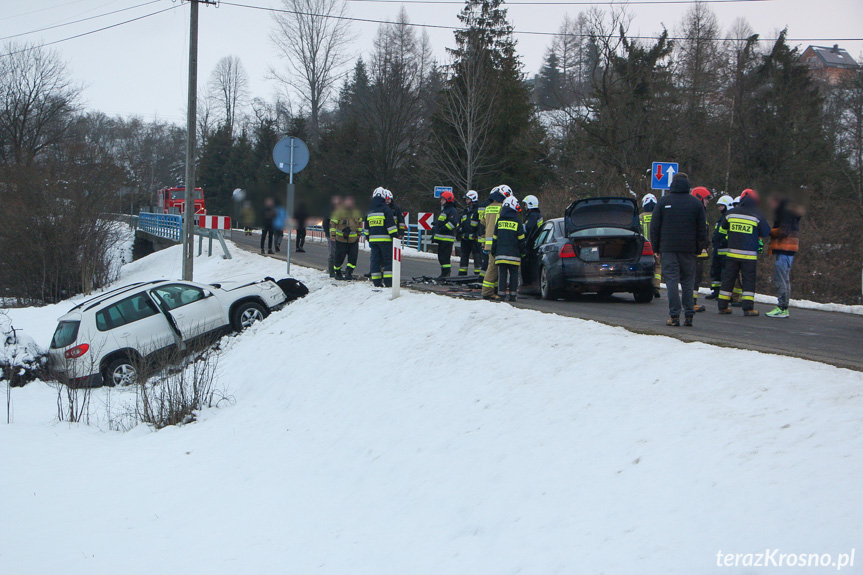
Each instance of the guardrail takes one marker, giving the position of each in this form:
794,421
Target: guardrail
415,237
167,226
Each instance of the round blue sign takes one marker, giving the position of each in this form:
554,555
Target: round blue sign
282,155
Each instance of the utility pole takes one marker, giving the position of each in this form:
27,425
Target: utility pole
191,137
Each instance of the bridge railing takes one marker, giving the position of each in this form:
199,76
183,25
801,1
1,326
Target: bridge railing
168,226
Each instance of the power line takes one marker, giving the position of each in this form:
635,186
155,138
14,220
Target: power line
41,10
78,21
523,32
29,48
565,2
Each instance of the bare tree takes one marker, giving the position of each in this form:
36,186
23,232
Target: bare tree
461,147
395,112
229,85
312,36
37,98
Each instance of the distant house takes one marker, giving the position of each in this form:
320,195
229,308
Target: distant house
830,65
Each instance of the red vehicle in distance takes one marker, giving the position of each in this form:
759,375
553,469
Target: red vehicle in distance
173,201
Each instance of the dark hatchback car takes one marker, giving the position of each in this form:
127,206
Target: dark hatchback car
597,247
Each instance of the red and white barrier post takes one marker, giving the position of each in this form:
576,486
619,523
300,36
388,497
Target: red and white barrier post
397,266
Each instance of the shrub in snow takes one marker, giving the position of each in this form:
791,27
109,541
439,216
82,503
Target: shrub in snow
21,360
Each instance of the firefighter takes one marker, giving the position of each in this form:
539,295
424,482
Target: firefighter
533,222
380,229
703,195
720,247
746,228
508,247
398,214
492,211
648,202
468,226
345,225
444,232
533,218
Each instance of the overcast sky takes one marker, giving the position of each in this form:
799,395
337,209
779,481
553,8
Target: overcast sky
140,68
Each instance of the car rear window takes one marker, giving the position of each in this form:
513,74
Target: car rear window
65,334
125,311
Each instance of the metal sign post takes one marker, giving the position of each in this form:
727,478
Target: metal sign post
291,155
397,267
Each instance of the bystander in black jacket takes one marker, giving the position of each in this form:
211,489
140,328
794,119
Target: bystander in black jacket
679,223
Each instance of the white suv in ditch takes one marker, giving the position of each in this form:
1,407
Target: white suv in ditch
105,339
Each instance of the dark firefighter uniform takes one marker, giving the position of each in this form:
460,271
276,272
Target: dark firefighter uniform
720,251
345,228
380,230
645,218
492,211
468,227
507,248
444,236
399,217
532,224
746,227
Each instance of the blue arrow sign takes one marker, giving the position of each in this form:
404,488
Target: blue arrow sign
438,190
662,174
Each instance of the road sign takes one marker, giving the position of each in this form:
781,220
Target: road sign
407,217
661,175
214,222
438,190
291,155
397,266
425,219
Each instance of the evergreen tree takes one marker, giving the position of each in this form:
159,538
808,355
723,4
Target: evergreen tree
549,87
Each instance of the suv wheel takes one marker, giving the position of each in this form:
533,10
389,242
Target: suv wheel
247,314
120,372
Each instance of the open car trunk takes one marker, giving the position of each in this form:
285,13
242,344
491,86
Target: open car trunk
604,229
607,248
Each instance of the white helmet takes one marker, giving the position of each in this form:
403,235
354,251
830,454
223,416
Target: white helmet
531,202
648,199
726,201
379,193
505,190
736,201
388,195
472,195
512,202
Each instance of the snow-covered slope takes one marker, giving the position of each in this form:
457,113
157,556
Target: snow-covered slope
432,435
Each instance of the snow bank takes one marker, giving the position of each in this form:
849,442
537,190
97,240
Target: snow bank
433,435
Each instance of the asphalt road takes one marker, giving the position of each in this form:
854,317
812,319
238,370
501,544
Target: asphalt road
829,337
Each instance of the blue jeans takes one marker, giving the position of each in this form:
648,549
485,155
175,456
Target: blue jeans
782,279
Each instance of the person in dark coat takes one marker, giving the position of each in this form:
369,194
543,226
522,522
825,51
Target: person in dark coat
784,243
678,231
269,230
466,234
508,248
301,214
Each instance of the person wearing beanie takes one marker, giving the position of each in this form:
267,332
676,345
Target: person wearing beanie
678,231
784,243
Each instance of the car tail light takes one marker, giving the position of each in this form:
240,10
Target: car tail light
647,250
77,351
567,251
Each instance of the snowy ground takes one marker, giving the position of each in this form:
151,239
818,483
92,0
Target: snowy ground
433,435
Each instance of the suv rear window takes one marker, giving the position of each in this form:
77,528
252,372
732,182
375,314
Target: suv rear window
65,334
125,311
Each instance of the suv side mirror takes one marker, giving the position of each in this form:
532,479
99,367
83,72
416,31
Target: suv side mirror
207,293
